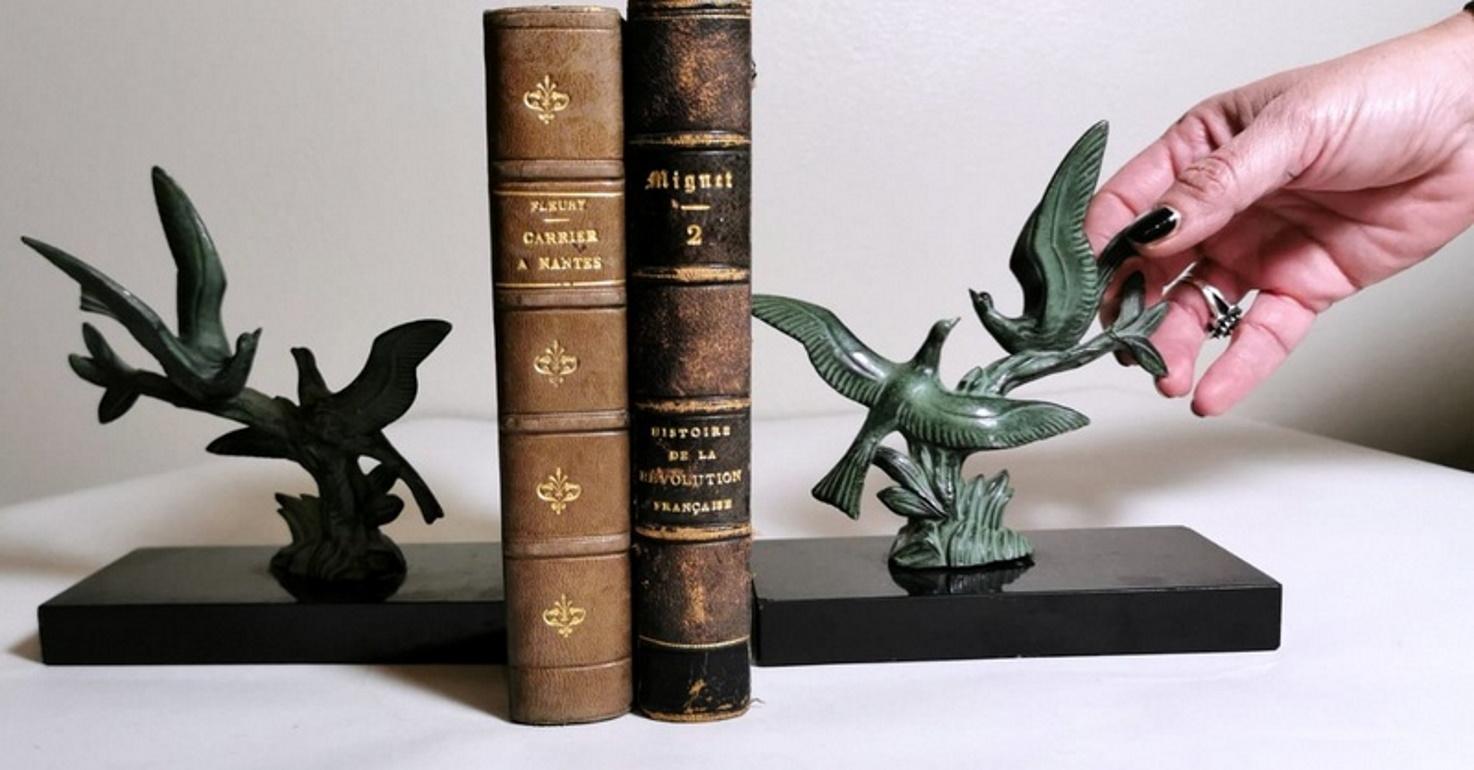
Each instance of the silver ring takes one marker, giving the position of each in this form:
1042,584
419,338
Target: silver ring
1226,315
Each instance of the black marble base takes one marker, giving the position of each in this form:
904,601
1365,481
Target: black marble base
1118,591
221,605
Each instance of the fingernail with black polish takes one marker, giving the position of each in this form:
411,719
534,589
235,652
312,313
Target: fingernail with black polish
1153,226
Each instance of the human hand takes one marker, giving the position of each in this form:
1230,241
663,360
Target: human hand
1307,186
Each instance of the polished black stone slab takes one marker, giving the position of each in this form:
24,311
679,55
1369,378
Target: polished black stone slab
1121,591
221,605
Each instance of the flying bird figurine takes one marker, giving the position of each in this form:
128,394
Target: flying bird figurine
198,358
337,550
1062,280
955,522
903,397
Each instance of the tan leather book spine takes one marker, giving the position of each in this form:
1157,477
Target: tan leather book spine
556,145
688,76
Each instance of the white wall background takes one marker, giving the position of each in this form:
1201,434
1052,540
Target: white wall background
336,148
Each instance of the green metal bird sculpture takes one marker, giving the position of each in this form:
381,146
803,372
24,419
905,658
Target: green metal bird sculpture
355,417
1052,259
198,358
952,520
903,397
337,550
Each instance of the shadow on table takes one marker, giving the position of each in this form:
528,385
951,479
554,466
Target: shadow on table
480,687
28,648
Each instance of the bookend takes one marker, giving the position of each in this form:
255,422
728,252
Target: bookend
221,604
955,582
1120,591
1088,592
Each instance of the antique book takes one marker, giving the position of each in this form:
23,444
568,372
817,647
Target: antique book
556,147
688,85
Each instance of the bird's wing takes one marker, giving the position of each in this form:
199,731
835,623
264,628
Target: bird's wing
957,421
201,278
104,296
854,370
386,387
1052,258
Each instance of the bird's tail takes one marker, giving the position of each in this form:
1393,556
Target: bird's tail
842,486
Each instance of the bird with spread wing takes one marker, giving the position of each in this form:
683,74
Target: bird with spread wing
198,358
954,522
903,397
353,419
337,550
1062,280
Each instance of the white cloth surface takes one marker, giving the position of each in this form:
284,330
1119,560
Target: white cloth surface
1376,668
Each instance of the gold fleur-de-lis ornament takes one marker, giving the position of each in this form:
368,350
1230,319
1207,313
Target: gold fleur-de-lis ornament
558,491
555,363
563,616
546,100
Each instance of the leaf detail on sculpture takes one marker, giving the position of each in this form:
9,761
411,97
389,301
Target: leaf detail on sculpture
1136,324
101,351
906,473
250,442
115,403
302,517
898,466
1133,297
87,369
942,467
917,546
906,503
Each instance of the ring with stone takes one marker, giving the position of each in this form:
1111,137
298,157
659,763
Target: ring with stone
1225,315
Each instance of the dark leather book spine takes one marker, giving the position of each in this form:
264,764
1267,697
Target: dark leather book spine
556,144
688,85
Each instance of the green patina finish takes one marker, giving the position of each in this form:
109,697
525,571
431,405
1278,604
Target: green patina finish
954,521
337,550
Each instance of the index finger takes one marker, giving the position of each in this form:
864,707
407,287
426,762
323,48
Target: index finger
1129,193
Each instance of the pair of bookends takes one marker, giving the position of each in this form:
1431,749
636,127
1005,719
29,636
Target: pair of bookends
951,521
337,551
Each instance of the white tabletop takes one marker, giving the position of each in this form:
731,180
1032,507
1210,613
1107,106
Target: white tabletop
1376,668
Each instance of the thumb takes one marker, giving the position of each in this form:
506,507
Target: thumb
1211,191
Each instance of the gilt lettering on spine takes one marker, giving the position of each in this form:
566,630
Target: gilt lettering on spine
556,145
688,98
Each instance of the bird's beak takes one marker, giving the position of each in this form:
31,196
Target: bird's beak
941,329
